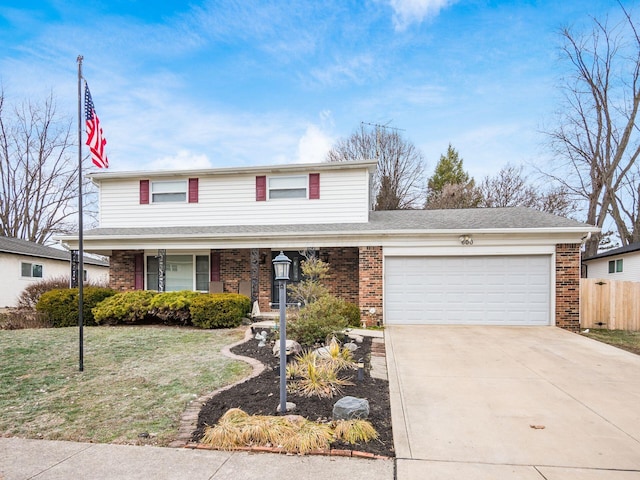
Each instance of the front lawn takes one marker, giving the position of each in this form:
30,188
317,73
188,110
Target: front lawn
135,386
629,341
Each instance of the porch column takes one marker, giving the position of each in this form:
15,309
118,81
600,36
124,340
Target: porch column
255,273
370,284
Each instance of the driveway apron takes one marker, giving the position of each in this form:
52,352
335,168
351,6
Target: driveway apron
512,402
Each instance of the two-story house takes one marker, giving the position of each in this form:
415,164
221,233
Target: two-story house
220,229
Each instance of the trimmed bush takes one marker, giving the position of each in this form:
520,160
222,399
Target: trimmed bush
172,308
61,305
219,310
316,321
125,307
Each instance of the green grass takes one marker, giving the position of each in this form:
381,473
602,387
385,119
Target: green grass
629,341
135,380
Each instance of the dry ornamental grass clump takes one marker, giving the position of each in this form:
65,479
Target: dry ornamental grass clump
291,433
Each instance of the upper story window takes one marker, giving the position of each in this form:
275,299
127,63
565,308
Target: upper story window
174,191
615,266
31,270
288,187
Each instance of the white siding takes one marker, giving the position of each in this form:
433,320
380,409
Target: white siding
630,268
231,200
12,283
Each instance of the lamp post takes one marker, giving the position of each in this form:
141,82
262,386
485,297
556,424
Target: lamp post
281,265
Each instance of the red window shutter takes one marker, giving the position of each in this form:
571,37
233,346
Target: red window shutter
261,188
314,186
144,192
139,271
215,266
193,190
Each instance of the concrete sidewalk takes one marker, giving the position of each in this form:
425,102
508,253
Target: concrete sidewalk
48,460
528,403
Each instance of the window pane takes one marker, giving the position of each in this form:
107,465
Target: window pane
152,273
169,187
26,269
202,272
169,197
287,182
619,265
612,267
37,271
179,272
292,193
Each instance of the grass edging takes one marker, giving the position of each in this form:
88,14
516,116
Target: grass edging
189,419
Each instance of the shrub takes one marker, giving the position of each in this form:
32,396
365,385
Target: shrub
351,312
172,308
316,321
125,307
219,310
21,318
61,305
29,297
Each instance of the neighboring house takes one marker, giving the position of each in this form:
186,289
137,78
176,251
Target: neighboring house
23,263
220,229
618,264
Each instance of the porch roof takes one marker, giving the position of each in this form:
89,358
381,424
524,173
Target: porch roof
516,220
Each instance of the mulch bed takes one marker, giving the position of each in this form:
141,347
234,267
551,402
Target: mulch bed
261,396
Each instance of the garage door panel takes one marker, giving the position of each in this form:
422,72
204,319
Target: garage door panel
482,290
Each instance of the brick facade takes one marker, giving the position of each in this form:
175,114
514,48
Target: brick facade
122,274
370,285
568,286
343,278
355,275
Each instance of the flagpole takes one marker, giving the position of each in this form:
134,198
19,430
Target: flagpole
80,227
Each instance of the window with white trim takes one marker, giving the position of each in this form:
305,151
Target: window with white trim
182,272
288,187
174,191
615,266
31,270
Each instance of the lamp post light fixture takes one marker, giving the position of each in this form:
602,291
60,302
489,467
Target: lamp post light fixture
281,266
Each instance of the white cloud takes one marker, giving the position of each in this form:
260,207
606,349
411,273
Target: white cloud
406,12
314,145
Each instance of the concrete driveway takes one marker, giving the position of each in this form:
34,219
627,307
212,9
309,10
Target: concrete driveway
512,403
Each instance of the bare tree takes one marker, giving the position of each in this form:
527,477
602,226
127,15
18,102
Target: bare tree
510,187
38,177
597,140
399,178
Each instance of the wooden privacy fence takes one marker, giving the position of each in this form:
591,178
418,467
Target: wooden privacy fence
610,304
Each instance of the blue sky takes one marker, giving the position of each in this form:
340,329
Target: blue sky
222,83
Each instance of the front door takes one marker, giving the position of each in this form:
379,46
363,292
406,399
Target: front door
295,275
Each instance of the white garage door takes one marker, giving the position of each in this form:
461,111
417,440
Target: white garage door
484,290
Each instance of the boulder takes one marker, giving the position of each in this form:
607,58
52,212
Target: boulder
293,348
349,408
352,347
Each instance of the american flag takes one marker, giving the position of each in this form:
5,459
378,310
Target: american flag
95,140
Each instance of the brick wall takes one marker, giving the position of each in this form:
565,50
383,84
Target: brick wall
343,272
370,284
235,266
122,266
568,286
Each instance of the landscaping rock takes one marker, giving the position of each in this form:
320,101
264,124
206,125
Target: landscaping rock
352,347
349,408
356,338
322,352
290,407
293,348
